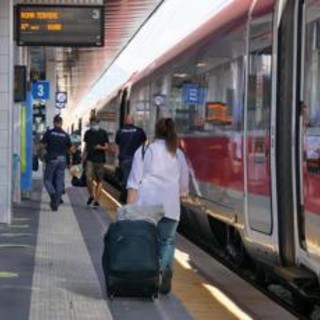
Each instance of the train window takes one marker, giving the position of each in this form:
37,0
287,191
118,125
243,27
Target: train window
208,88
312,67
259,91
206,98
310,131
141,106
224,99
185,99
258,117
259,81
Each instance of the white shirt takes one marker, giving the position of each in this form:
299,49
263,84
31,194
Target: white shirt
160,177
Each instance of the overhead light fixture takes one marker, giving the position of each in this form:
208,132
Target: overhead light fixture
201,65
180,75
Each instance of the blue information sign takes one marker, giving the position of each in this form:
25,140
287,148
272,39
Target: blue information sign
192,94
41,90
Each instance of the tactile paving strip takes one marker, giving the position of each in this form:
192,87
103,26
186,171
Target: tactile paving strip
65,285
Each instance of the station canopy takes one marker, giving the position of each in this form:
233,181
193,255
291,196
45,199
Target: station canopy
77,69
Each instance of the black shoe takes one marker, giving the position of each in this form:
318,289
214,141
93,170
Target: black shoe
53,203
90,199
53,206
96,204
61,201
165,286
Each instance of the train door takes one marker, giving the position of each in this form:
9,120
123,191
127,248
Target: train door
258,182
308,134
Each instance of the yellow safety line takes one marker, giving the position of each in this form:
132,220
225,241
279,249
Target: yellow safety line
110,204
117,203
189,288
202,299
8,274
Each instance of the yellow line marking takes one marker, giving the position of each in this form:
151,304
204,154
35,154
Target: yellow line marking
201,299
5,274
226,301
19,226
8,235
117,203
13,245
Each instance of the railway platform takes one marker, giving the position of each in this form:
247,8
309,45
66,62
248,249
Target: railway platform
50,268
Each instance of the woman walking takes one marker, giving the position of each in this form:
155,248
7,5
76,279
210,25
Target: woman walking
160,175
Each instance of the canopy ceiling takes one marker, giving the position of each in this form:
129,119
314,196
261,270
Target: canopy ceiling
77,69
82,67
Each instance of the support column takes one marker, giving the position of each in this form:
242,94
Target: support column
6,108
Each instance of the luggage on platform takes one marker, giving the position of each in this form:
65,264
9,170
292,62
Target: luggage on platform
131,260
79,178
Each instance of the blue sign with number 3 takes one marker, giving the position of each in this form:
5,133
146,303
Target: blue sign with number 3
41,90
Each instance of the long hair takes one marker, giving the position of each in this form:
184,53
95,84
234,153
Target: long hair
166,129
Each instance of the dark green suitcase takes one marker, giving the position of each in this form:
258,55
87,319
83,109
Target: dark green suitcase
131,260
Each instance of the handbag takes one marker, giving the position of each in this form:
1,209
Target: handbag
79,178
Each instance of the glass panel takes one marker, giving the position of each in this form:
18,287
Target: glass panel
207,94
258,123
311,122
140,107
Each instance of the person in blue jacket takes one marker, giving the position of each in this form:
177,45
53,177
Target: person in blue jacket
128,139
57,143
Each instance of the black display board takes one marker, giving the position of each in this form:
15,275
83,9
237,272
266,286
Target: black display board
59,25
20,83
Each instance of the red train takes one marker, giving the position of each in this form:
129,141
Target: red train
244,91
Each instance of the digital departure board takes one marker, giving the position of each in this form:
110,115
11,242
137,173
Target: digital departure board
57,25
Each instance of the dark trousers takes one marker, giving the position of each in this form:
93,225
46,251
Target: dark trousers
125,167
54,178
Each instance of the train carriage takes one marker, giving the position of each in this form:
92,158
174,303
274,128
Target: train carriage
243,90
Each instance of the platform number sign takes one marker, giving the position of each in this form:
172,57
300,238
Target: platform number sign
41,90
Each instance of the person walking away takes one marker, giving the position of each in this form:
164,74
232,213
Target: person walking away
161,176
96,144
57,143
128,139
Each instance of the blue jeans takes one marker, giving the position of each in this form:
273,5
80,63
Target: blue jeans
54,178
166,235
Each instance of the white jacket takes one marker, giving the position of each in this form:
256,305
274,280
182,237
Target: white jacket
160,177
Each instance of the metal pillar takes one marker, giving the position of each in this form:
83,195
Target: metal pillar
6,103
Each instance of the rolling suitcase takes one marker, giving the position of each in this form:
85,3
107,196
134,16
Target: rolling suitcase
130,259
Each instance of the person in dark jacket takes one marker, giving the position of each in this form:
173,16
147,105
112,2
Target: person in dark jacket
57,143
128,139
96,144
